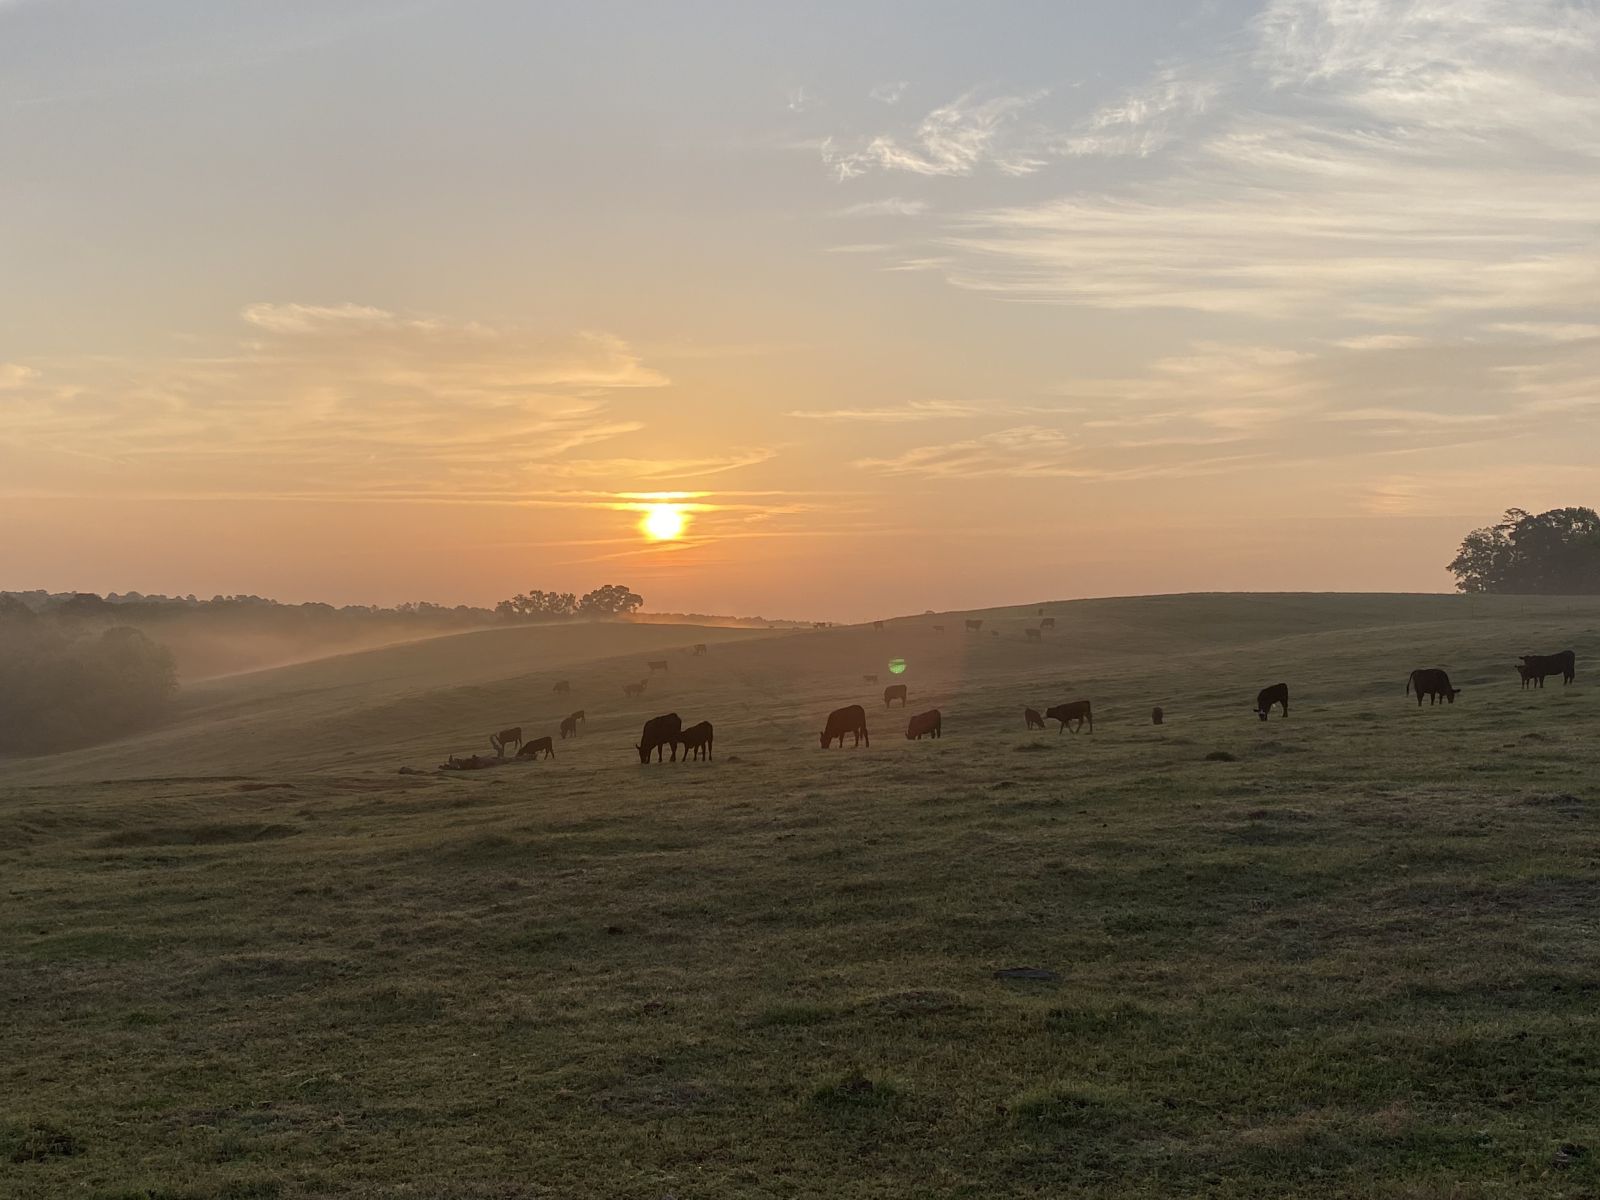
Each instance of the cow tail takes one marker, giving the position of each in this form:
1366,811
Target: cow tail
1409,679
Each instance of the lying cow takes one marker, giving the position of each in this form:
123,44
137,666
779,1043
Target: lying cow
698,739
850,719
929,723
505,738
1564,664
895,691
659,734
1278,693
1077,711
538,746
1433,683
1032,718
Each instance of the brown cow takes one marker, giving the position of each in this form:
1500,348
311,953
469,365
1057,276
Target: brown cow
1432,682
634,689
538,746
1048,623
698,739
1032,718
658,665
895,691
1278,693
699,649
659,733
1077,710
975,626
1033,635
850,719
505,738
562,686
1157,716
929,723
569,727
878,625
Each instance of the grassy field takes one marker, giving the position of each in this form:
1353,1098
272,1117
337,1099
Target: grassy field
1353,953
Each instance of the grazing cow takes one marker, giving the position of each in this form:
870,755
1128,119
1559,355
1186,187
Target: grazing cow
1033,635
1278,693
850,719
1077,711
1157,716
1564,664
930,723
562,686
869,679
975,626
878,625
895,691
698,739
1525,673
699,649
569,727
660,733
536,747
634,689
581,717
659,665
505,738
1032,719
1048,623
1433,683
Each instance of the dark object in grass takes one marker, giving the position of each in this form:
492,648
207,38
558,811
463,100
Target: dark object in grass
1039,974
1221,756
41,1142
260,787
1157,716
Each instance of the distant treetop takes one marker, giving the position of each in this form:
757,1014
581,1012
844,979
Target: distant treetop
1555,553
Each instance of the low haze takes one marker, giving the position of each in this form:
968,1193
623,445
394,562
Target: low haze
901,305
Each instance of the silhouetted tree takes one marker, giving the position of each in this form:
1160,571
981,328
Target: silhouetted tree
610,601
1555,553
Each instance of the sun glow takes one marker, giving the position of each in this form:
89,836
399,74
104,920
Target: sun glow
664,522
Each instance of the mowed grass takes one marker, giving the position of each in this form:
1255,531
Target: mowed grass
1358,959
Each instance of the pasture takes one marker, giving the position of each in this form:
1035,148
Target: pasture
1351,953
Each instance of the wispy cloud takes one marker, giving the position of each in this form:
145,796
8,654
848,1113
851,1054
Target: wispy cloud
892,206
888,93
969,133
915,410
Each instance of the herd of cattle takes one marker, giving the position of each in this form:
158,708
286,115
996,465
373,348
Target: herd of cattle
667,733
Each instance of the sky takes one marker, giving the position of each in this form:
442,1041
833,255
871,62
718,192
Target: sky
906,305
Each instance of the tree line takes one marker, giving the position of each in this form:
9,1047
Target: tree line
1554,553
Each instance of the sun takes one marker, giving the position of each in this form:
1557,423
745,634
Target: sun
664,522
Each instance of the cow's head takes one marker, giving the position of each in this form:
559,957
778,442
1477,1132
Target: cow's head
644,755
825,739
1452,694
1262,713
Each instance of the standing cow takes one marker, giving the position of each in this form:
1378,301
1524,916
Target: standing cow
1032,719
1433,683
1538,666
850,719
895,691
1077,711
696,738
1278,693
660,733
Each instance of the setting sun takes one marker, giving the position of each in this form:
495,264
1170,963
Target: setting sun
664,522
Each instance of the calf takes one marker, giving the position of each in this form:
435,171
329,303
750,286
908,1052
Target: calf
1032,718
1564,664
1278,693
1077,711
850,719
698,739
536,747
505,738
659,733
1433,683
1525,673
929,723
895,691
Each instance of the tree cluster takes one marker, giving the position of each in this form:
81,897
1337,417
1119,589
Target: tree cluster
610,600
63,686
1555,553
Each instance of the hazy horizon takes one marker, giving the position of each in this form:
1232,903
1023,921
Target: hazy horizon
903,306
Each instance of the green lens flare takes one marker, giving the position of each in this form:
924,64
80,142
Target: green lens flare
897,666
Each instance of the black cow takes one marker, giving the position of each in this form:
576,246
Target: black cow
850,719
698,739
699,649
895,691
1564,664
929,723
536,747
1077,711
659,733
1278,693
1032,718
1433,683
1524,673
